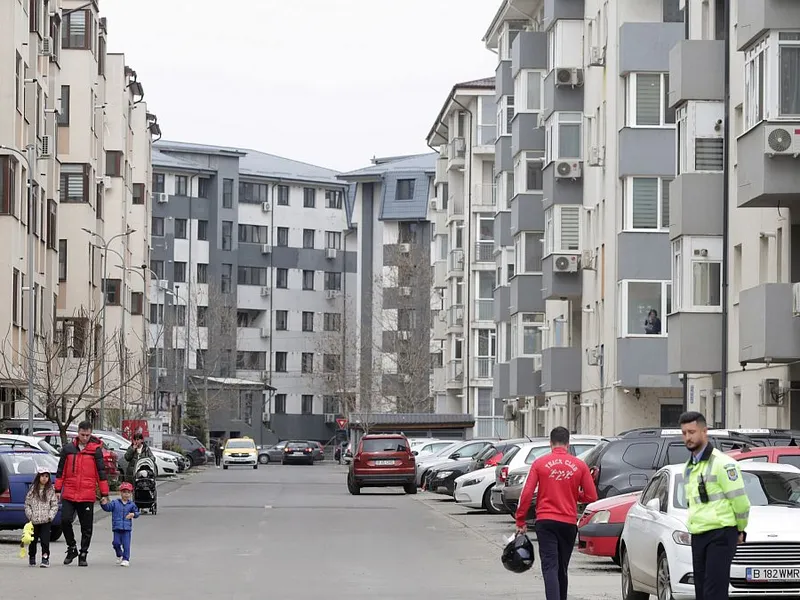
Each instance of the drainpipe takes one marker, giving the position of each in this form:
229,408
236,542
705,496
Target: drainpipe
271,237
726,130
344,320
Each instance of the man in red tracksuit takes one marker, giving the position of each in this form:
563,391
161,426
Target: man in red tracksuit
563,482
80,472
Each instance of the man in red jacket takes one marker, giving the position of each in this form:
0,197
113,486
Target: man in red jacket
563,482
80,472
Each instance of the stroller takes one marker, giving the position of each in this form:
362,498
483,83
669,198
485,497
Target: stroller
145,494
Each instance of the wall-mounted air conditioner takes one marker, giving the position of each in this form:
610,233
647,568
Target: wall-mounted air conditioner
265,332
434,205
771,393
47,147
266,207
163,284
330,253
569,169
597,56
587,260
265,291
509,412
782,140
46,47
569,77
595,158
565,263
161,198
266,248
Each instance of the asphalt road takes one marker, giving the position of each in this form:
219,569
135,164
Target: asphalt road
295,533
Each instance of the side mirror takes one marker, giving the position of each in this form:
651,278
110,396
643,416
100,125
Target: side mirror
415,453
653,504
455,456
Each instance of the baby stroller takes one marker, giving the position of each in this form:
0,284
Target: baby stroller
145,494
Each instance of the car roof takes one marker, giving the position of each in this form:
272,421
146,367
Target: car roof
241,439
765,450
383,436
22,438
26,450
746,466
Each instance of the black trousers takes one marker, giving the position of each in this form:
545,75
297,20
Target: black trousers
41,534
556,541
217,458
85,512
712,554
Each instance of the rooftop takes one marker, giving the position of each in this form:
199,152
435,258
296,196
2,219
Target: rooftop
438,132
397,164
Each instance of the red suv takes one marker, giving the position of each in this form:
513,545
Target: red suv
382,460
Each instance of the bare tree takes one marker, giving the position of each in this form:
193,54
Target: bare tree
66,362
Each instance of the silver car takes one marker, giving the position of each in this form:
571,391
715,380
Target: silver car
272,454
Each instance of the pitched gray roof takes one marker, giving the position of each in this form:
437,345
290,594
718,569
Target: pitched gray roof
415,162
171,162
417,419
485,83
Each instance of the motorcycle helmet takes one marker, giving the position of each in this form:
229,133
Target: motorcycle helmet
518,554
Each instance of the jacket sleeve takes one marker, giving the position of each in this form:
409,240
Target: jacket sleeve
62,461
129,453
588,491
108,506
102,480
526,497
53,506
135,510
731,481
29,506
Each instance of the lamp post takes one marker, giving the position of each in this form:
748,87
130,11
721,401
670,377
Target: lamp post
105,247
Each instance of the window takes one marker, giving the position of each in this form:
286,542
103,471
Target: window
62,117
62,260
157,267
487,123
282,237
180,272
641,455
202,318
646,203
755,87
252,276
181,226
8,185
251,361
505,114
76,30
202,231
528,172
52,220
405,189
507,36
138,193
253,234
333,239
74,183
643,306
308,238
307,404
308,321
226,285
527,334
332,322
330,363
564,136
158,183
309,197
157,226
281,320
227,235
253,193
528,249
562,229
333,199
308,280
697,274
407,232
280,404
137,303
282,278
181,185
647,100
227,193
203,183
307,362
529,91
157,314
115,163
113,291
180,316
280,362
333,281
283,195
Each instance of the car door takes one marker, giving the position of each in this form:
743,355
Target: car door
276,452
639,526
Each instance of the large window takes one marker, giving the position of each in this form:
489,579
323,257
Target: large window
562,229
643,307
505,114
8,185
646,203
772,79
528,172
74,183
253,234
528,247
647,100
697,274
487,121
252,193
526,334
564,136
252,276
76,30
529,91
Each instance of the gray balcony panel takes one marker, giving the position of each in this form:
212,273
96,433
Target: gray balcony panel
529,51
755,17
642,362
527,213
647,152
767,329
526,133
696,69
560,191
500,381
765,181
562,9
643,256
502,229
645,47
561,98
502,303
561,370
695,205
523,381
694,342
526,294
559,285
503,80
503,160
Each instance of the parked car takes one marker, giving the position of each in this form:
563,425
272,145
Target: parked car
28,441
429,448
318,450
458,451
193,448
18,468
272,453
20,426
786,455
111,458
382,460
600,526
240,452
656,551
474,490
298,452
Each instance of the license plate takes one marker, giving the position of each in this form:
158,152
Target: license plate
772,574
384,463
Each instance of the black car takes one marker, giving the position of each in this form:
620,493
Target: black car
298,452
442,479
194,450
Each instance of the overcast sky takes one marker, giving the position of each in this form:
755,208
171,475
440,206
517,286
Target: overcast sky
330,82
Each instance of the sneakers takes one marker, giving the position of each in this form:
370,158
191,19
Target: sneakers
119,560
125,563
31,560
82,560
72,554
45,562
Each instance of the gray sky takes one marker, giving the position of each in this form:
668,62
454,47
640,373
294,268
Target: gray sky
330,82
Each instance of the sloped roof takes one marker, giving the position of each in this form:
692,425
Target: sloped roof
169,161
415,162
415,419
486,83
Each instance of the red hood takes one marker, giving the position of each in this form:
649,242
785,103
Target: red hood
614,502
91,445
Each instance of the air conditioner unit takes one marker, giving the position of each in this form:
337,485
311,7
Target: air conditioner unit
460,144
162,198
107,182
796,299
781,140
330,253
265,207
569,169
265,332
266,248
265,291
565,263
569,77
771,393
460,316
597,56
587,260
163,284
46,47
592,358
330,418
405,291
47,147
434,205
595,158
537,362
331,294
509,412
403,335
404,248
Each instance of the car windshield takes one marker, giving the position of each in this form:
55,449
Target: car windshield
591,457
298,445
486,453
536,453
764,488
28,463
241,444
510,453
384,445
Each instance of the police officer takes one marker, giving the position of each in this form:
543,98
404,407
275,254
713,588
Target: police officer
718,509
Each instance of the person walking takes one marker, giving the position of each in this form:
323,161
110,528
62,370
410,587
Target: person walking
123,510
80,473
563,481
41,507
718,509
138,449
218,452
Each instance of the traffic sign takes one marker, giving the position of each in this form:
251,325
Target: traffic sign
341,422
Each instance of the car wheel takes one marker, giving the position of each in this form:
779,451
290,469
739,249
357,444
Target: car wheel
410,488
663,582
55,534
189,461
352,486
264,459
489,505
628,593
225,467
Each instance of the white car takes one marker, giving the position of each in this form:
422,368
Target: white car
474,490
165,464
429,447
456,451
655,547
27,441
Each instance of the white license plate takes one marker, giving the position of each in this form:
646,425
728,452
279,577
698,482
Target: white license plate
772,573
298,453
384,463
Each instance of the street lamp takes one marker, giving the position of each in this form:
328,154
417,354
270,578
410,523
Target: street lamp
105,247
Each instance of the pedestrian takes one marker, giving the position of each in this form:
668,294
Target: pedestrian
80,473
563,481
718,509
218,452
138,449
123,510
41,507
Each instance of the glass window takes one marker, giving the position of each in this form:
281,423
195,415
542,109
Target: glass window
646,201
644,303
648,105
384,445
789,459
641,455
529,91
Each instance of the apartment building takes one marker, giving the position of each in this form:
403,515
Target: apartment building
392,295
251,262
466,269
745,228
587,143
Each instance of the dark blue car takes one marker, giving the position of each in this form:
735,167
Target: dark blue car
18,468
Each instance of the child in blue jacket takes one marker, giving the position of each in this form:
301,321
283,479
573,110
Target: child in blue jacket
123,510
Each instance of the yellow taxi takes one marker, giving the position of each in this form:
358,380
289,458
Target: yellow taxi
240,452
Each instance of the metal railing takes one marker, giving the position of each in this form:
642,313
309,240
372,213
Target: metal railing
457,259
484,310
484,251
484,367
455,316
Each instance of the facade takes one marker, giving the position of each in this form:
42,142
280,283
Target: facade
252,264
392,296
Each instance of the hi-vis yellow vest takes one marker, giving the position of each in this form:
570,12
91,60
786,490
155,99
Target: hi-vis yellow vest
728,505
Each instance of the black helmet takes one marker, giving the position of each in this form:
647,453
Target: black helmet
518,554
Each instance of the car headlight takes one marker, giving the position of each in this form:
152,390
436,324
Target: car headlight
601,516
683,538
443,474
516,480
473,481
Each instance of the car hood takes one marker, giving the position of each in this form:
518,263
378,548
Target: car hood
449,463
773,524
613,502
487,472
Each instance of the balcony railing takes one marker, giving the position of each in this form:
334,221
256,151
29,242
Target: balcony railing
458,148
456,316
484,367
491,427
487,135
455,370
484,194
455,205
484,251
457,259
484,310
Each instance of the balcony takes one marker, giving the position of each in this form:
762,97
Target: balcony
642,362
561,9
484,252
755,17
644,47
484,368
455,371
561,369
526,294
768,331
484,310
694,342
500,306
500,381
559,282
487,136
440,274
440,173
456,263
484,196
456,153
695,205
768,173
455,207
696,71
455,317
524,380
